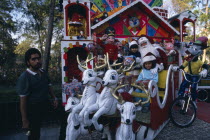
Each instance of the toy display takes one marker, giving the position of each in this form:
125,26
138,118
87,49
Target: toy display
128,60
193,65
71,132
146,49
89,95
97,42
128,113
109,45
73,88
106,104
171,52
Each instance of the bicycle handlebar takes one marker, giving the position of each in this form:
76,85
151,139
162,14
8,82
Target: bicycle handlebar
184,73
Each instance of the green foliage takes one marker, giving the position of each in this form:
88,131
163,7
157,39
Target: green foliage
7,27
36,13
182,5
23,47
28,21
203,13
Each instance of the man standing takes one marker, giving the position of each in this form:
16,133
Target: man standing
33,87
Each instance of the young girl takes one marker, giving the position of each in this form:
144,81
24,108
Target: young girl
148,63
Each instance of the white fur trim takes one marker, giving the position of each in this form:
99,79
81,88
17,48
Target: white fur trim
149,49
143,39
148,58
133,43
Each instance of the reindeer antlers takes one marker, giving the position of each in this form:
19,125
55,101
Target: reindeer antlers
101,66
84,66
121,101
118,64
129,68
142,87
119,98
114,64
86,61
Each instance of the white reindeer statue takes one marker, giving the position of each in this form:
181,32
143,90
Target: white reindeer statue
71,132
89,95
128,114
106,104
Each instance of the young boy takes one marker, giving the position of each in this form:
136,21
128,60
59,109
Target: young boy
148,63
133,46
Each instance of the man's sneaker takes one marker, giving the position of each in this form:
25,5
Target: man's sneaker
194,102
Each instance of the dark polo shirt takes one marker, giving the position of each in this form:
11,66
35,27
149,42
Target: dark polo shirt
34,86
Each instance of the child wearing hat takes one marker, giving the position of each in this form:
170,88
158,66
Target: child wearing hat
148,63
133,51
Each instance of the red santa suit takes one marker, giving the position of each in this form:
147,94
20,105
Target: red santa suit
163,56
145,48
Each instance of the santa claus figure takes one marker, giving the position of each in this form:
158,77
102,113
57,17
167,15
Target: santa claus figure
146,48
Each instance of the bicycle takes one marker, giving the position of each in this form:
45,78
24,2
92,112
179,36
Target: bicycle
183,110
203,95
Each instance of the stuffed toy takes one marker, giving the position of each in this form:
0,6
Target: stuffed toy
192,66
171,52
107,42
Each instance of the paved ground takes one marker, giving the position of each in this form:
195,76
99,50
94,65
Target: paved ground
200,130
47,133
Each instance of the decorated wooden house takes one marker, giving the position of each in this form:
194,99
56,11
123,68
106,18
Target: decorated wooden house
86,20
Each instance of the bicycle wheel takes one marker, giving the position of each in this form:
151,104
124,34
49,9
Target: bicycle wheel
202,95
178,114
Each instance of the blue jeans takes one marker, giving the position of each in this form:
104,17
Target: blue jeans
185,84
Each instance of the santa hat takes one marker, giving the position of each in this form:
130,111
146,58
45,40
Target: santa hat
145,38
76,19
133,44
201,41
147,58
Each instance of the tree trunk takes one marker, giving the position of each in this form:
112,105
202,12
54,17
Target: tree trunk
49,37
